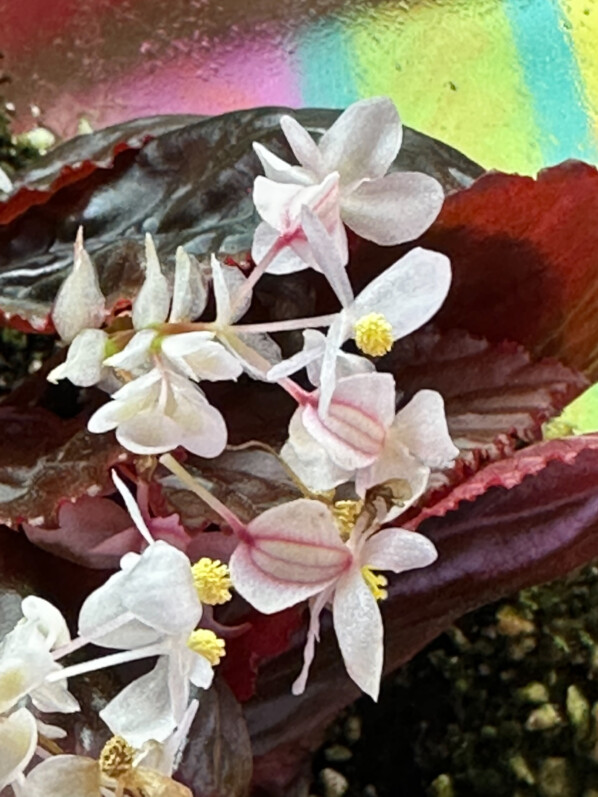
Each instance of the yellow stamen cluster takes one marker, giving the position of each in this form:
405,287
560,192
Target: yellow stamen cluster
212,581
373,335
116,757
345,514
207,644
376,583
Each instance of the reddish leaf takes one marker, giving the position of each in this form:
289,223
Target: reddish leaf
495,542
496,398
190,186
525,261
217,761
45,461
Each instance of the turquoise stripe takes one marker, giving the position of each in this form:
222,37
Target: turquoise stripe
552,75
326,74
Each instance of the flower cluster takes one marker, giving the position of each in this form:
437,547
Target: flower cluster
360,454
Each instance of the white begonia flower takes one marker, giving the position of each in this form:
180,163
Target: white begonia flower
120,768
159,411
397,302
152,609
18,742
84,360
360,147
294,552
79,303
361,439
281,237
5,182
26,660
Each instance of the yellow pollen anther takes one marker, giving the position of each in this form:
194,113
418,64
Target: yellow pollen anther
345,514
373,335
376,583
116,757
207,644
212,581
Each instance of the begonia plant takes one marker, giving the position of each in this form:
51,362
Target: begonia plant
345,420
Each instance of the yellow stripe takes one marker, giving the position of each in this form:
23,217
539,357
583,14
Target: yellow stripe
453,74
582,18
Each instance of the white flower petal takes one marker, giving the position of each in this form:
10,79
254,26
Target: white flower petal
364,140
199,357
276,168
313,349
421,425
79,303
358,628
309,460
135,357
153,300
291,552
304,147
394,462
83,365
286,261
393,209
25,661
202,673
54,697
338,332
331,262
5,182
202,428
47,619
143,710
354,430
190,292
18,740
64,776
408,293
398,550
159,590
149,433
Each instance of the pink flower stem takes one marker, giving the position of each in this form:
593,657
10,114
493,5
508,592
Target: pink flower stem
257,272
214,503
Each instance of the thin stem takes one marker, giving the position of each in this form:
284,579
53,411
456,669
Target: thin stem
257,272
214,503
288,325
106,661
100,631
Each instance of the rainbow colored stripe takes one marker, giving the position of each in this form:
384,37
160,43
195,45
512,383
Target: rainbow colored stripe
512,83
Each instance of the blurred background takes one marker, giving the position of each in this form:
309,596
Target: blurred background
511,83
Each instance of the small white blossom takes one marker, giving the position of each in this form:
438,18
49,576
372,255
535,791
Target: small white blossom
294,551
282,235
79,303
397,302
151,608
158,412
26,660
360,148
361,438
